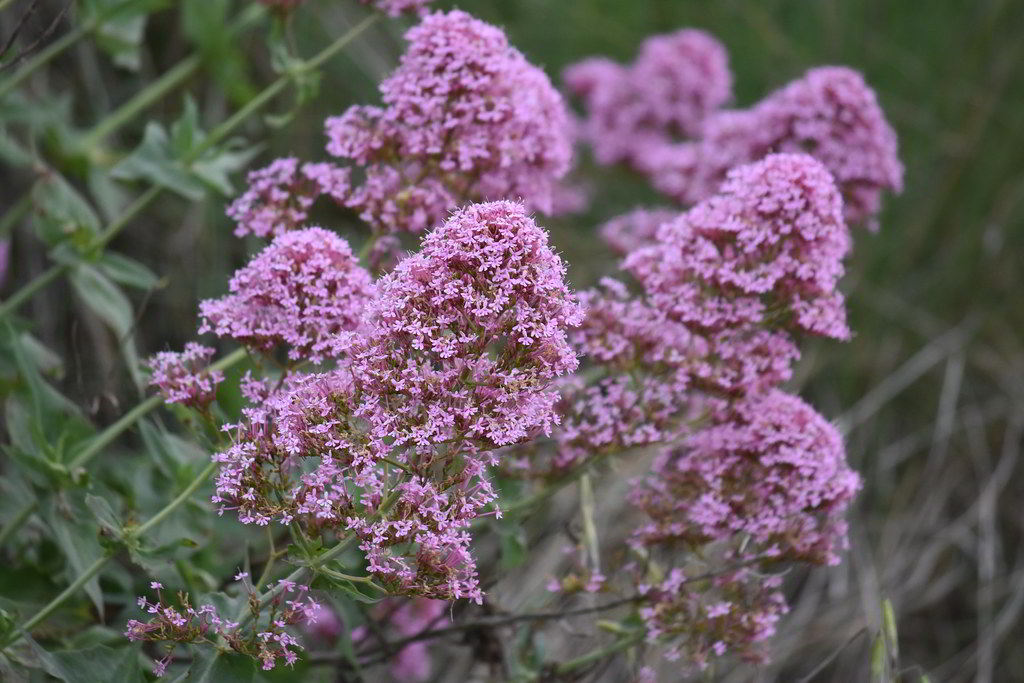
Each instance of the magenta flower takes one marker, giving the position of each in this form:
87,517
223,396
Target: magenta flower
770,468
767,250
465,118
830,113
184,377
280,196
300,291
675,83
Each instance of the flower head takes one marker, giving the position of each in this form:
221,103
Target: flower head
766,250
465,118
280,196
302,290
770,468
184,377
830,113
675,83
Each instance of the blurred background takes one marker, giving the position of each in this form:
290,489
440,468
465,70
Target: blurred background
930,392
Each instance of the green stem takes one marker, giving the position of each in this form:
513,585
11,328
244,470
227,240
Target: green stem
91,571
25,293
174,504
178,74
599,654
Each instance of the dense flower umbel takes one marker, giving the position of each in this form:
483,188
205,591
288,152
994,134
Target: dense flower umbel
830,113
183,377
771,469
465,118
265,639
301,291
456,358
280,196
766,251
676,82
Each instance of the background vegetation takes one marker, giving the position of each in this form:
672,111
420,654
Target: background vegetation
930,393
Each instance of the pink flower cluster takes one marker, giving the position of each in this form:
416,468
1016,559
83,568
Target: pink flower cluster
675,83
300,291
465,118
455,358
184,377
767,250
691,365
280,196
771,469
266,641
830,113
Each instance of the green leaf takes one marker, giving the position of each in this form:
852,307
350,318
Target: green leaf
154,160
110,304
62,213
215,667
214,169
79,543
121,38
97,664
104,513
104,298
878,658
206,23
127,271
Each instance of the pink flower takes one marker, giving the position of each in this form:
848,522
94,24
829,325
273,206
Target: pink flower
830,113
770,468
766,250
280,196
676,82
465,118
302,290
184,377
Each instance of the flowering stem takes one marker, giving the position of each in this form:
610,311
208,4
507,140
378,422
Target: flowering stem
215,136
